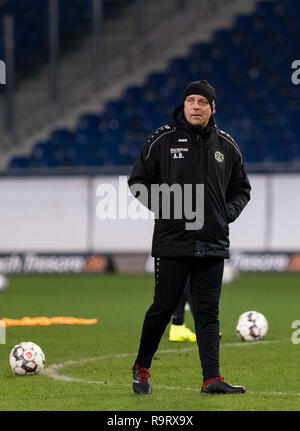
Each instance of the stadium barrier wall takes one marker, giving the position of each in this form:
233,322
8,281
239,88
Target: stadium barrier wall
44,217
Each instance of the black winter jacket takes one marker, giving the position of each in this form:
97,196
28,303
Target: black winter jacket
179,153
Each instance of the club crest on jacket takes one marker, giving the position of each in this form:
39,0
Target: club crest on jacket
219,156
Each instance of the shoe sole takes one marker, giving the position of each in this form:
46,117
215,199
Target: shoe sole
222,393
142,392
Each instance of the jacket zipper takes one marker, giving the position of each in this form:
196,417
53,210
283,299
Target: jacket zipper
205,153
200,144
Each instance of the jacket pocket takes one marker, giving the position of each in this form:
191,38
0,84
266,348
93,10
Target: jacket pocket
230,213
214,232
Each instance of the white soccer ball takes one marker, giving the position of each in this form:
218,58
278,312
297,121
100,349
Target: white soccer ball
26,358
3,282
252,326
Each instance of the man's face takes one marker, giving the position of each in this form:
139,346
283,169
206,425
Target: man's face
197,110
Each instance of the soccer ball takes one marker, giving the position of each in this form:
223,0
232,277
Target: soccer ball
251,326
26,358
3,283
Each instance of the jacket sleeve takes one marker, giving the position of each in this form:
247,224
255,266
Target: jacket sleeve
144,173
238,190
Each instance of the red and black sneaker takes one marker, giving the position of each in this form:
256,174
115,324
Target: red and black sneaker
217,385
141,380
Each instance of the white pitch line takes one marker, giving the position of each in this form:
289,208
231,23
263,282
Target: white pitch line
53,370
56,367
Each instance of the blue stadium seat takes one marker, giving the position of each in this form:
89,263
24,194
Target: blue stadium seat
20,162
88,122
61,137
249,64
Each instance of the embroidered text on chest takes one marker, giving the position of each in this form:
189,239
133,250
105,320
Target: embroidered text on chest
177,152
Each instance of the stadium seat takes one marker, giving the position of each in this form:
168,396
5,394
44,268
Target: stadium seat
19,162
252,86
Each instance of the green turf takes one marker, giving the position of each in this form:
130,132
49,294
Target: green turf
97,374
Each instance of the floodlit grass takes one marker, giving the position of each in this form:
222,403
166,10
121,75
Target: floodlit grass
96,360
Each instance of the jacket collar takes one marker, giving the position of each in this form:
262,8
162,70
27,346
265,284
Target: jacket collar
178,119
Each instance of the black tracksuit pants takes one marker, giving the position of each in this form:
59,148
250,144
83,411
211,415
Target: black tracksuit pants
186,297
170,278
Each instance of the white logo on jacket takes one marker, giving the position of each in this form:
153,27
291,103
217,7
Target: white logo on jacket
177,152
219,156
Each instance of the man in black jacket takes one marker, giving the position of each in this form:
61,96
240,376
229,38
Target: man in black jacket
203,170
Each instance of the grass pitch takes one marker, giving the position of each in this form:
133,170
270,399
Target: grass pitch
89,367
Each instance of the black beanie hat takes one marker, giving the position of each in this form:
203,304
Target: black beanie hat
204,89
